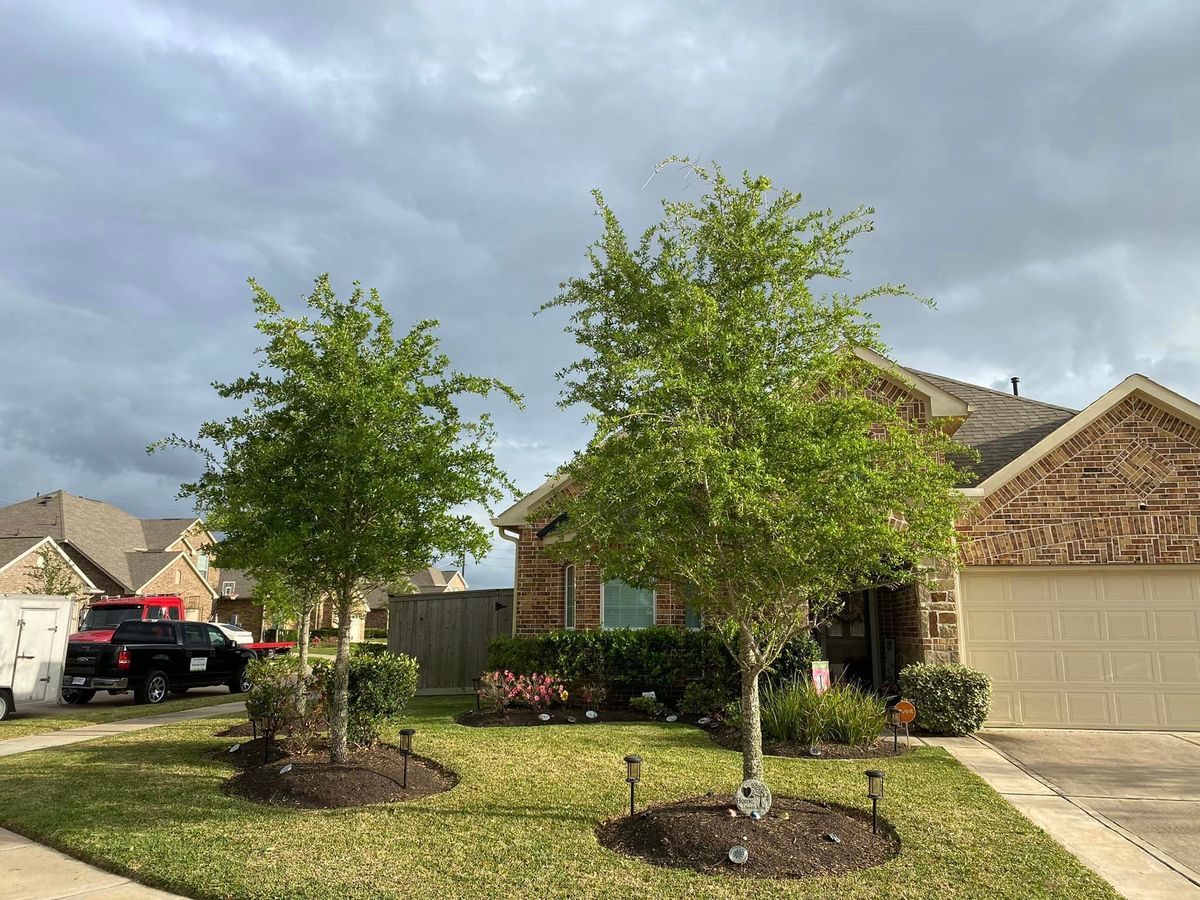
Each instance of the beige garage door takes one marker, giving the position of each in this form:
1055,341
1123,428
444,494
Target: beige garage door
1111,647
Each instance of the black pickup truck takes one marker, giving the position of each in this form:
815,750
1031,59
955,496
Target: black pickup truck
154,658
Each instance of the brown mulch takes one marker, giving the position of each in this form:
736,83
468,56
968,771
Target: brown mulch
881,749
246,729
249,753
698,834
521,717
369,776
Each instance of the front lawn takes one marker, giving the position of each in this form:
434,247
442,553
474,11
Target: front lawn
21,725
520,823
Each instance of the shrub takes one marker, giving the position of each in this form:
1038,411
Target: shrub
647,706
624,661
950,698
591,694
499,690
702,698
381,685
272,702
375,634
796,659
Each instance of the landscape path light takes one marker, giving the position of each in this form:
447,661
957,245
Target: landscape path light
633,774
475,683
875,792
406,736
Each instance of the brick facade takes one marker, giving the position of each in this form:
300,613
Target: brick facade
20,578
1125,489
249,613
181,580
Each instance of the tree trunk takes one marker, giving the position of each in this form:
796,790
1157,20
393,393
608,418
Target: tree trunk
748,662
340,713
303,633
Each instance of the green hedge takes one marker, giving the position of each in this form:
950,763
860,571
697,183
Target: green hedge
662,659
950,698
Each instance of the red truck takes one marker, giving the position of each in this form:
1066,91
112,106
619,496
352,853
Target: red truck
103,616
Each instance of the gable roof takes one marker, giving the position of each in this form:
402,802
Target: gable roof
1135,385
1001,426
244,584
118,543
12,549
432,580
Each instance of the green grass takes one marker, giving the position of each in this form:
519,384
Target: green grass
519,824
78,716
330,650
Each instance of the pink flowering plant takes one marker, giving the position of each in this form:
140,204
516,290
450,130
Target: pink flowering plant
499,690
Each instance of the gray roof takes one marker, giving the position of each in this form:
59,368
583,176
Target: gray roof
432,580
13,548
1000,426
128,549
243,584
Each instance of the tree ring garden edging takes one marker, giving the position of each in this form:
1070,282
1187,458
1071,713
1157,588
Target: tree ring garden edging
796,839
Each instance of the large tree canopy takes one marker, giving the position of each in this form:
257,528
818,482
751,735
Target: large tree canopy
743,449
352,464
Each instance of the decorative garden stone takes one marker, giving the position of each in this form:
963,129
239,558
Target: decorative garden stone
753,797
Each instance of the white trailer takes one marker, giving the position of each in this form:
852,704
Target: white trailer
33,647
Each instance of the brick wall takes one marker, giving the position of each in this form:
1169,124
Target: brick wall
540,583
181,580
19,579
249,613
1126,489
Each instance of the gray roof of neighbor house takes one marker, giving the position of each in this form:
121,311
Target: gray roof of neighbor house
1000,426
13,548
243,584
130,550
432,580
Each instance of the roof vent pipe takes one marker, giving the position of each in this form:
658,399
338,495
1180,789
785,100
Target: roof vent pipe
1015,381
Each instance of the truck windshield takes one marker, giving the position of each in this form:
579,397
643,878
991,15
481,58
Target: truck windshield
109,616
145,633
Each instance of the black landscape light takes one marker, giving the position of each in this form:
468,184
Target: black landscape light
875,792
893,720
406,735
475,684
633,774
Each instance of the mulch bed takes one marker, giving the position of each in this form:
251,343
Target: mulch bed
790,842
249,753
369,776
521,717
881,749
246,729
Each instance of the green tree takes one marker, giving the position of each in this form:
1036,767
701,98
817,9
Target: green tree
742,448
352,464
52,575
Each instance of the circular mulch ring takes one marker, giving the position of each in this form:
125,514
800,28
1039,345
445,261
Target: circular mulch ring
249,754
698,834
246,729
368,777
881,749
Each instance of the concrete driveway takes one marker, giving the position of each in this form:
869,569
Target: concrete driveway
1144,782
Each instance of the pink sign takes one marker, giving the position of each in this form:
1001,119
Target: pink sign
820,670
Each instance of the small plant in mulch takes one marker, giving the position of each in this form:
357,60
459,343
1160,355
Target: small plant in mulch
796,839
647,706
500,691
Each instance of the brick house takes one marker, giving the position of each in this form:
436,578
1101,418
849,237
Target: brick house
23,559
1078,584
118,553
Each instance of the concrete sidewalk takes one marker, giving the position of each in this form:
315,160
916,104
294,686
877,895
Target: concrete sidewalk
106,729
1131,866
29,871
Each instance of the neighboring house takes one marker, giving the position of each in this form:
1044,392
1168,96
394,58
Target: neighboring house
118,553
1079,582
237,603
431,580
24,559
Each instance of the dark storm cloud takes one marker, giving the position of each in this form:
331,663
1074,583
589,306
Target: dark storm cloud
1033,169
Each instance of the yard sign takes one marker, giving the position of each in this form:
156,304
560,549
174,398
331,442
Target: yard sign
820,676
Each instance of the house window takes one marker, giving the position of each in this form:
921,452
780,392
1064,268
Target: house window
692,618
202,563
227,588
569,597
625,606
178,576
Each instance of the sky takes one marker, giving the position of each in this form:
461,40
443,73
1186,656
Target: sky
1033,167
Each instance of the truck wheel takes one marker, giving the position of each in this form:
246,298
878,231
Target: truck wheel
76,697
241,683
153,689
6,706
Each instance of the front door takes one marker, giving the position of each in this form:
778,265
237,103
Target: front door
850,642
35,649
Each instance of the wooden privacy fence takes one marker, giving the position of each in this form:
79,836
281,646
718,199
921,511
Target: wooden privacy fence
448,634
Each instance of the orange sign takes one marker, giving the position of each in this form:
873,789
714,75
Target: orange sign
905,711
